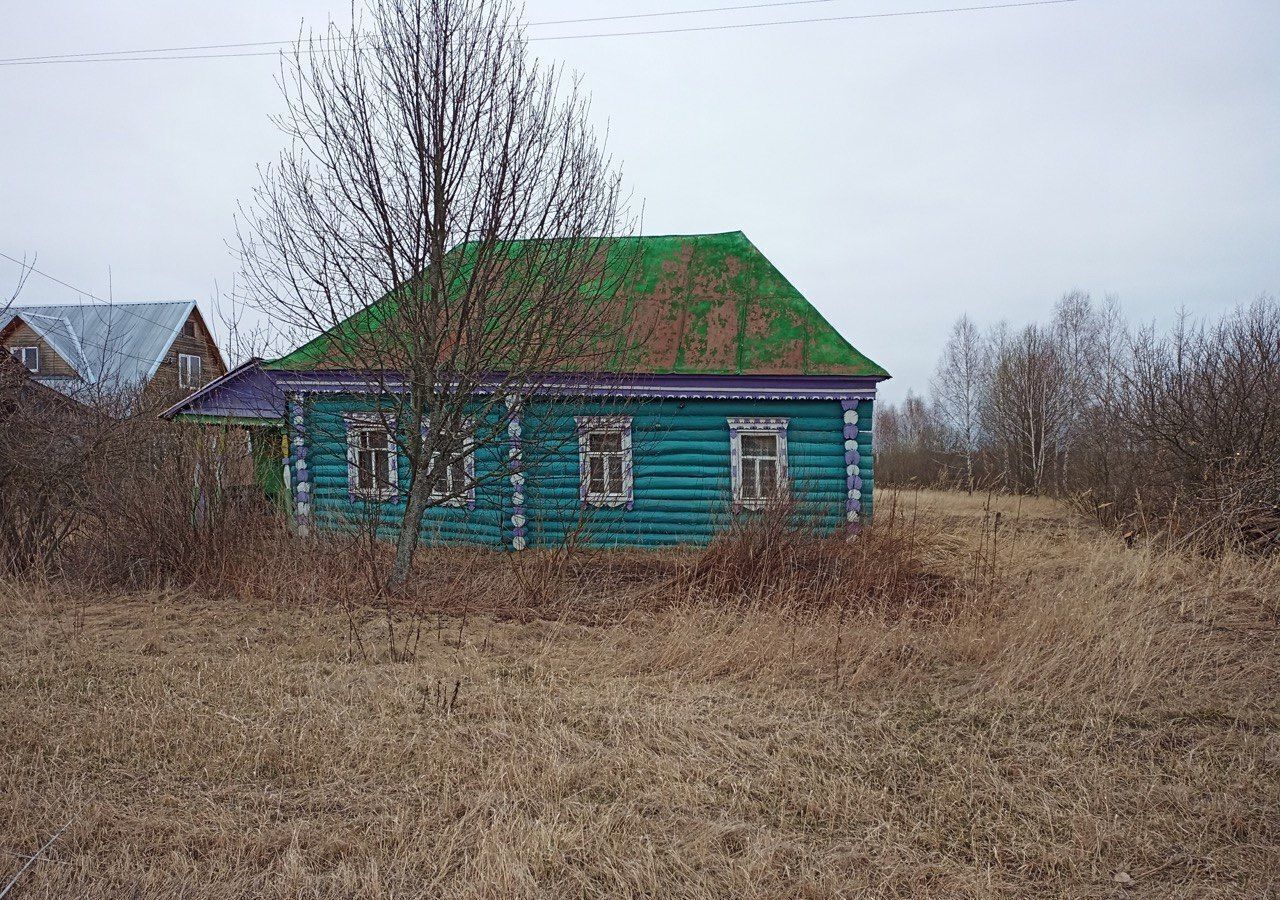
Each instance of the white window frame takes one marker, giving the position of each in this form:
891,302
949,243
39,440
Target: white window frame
184,370
363,423
20,354
775,427
465,498
588,426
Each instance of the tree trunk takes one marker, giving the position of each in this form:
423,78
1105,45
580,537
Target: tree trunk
410,528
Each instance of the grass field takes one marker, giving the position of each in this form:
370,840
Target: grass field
1073,718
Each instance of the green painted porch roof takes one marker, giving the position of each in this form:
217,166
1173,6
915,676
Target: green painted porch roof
713,305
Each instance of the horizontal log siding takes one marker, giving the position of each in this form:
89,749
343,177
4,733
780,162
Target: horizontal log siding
681,473
334,509
866,455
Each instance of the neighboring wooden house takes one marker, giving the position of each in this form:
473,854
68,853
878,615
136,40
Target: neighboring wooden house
164,350
18,389
743,389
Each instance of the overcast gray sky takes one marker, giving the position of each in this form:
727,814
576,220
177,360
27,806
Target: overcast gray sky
899,171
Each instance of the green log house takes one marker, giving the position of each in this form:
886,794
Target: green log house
742,391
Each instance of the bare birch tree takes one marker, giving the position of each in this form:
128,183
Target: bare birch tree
959,384
1028,405
436,168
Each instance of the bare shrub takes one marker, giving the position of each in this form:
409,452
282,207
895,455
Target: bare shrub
178,506
54,449
1173,436
1202,410
128,501
777,556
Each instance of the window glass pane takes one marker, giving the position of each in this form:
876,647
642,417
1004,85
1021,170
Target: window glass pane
613,475
595,476
750,480
605,441
759,445
364,467
384,468
768,477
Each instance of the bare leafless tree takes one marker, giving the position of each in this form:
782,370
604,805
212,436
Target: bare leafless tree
1028,405
1175,433
959,385
24,272
1202,405
436,168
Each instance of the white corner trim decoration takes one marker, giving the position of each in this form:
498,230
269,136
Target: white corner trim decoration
740,425
356,422
515,461
586,425
298,462
852,461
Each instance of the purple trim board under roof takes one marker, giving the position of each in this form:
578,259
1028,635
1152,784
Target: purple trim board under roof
252,392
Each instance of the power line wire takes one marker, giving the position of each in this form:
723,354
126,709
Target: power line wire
648,15
685,12
88,58
85,57
31,268
16,308
801,22
850,18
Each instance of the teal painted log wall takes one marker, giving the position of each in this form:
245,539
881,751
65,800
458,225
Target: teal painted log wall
680,450
333,507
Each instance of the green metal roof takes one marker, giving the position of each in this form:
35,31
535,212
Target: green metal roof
712,305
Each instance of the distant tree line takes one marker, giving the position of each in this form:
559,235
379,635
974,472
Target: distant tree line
1176,430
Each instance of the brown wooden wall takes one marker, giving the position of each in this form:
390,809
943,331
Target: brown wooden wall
19,334
165,382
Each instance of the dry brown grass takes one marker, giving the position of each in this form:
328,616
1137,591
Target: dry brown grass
1088,714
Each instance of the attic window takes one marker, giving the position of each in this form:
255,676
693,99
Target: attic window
189,328
28,356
